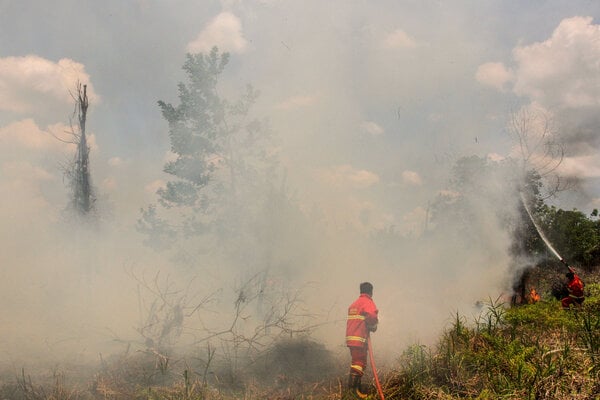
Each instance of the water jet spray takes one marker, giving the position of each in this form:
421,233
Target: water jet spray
541,233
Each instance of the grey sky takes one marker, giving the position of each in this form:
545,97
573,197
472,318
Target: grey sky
407,68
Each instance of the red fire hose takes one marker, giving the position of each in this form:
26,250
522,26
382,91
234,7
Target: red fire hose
375,370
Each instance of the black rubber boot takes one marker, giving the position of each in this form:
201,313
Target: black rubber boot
355,387
351,380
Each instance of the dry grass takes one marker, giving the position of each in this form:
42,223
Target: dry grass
532,352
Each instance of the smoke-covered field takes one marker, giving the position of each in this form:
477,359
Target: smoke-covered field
386,143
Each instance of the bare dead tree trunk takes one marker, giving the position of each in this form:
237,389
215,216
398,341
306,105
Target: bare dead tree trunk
83,199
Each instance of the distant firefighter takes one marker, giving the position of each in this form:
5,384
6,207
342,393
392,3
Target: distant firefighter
362,319
533,296
574,287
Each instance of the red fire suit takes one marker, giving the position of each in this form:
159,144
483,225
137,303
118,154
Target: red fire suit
362,319
575,288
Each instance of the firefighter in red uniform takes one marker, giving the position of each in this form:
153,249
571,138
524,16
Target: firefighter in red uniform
362,319
575,288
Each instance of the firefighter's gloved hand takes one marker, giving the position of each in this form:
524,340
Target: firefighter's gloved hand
372,328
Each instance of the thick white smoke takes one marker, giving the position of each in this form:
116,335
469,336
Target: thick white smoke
371,106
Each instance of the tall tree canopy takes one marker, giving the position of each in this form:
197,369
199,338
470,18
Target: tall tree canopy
223,160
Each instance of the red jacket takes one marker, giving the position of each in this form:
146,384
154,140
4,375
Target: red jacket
362,319
575,287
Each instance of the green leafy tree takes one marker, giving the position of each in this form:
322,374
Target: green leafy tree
527,242
223,167
224,212
572,233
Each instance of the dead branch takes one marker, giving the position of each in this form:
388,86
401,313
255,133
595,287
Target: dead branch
538,146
